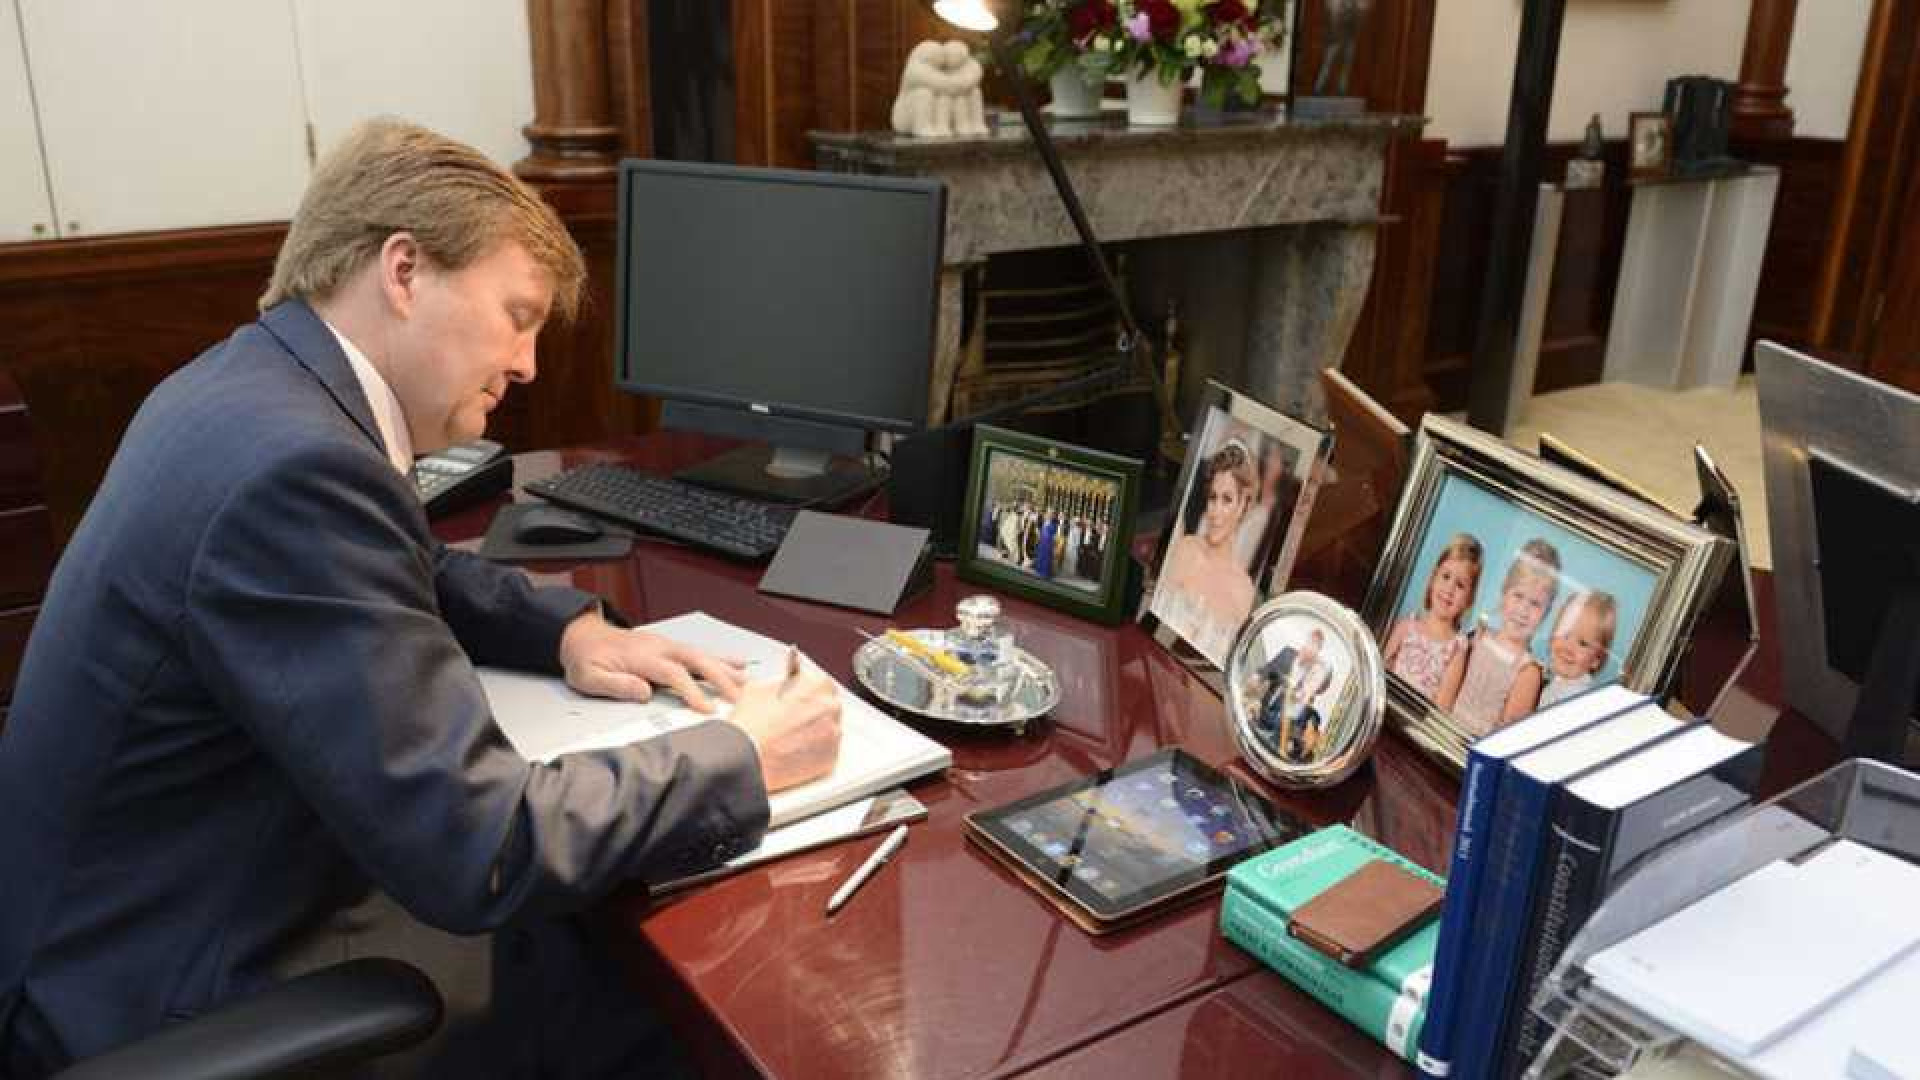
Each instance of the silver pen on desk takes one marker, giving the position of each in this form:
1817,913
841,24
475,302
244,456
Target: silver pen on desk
867,869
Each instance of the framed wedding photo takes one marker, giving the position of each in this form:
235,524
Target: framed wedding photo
1241,507
1508,584
1050,522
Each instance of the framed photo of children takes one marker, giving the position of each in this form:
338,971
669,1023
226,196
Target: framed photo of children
1050,521
1244,496
1508,584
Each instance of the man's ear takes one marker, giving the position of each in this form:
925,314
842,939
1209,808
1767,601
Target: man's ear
400,264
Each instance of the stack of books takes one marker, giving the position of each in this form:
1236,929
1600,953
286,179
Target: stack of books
1386,994
1554,811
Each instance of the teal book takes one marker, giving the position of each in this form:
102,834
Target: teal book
1283,879
1387,999
1390,1017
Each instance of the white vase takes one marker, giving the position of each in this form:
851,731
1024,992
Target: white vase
1074,98
1152,103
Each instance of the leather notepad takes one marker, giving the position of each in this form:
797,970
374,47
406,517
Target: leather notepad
850,562
1365,913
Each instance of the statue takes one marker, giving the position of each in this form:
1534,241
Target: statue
940,92
1341,27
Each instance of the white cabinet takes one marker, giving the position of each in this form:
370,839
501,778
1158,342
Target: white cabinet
26,209
160,114
460,67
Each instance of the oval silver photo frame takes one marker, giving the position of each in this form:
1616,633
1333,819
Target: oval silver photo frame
1306,691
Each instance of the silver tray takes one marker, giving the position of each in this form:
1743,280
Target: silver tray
906,682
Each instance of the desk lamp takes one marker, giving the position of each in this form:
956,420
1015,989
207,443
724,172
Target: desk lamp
978,16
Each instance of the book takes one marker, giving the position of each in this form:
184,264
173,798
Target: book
1389,1016
1515,846
1479,790
1603,824
1386,999
544,718
861,817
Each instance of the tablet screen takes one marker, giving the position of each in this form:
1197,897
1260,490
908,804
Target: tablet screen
1148,830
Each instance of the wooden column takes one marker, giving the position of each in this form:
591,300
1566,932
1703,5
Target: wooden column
573,134
1760,108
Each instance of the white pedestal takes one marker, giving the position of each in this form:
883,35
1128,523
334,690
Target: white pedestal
1691,267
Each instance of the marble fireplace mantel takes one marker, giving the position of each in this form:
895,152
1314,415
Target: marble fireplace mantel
1307,192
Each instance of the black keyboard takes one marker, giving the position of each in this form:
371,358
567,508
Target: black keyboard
732,526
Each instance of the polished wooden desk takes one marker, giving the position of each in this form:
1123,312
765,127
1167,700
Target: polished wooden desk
944,964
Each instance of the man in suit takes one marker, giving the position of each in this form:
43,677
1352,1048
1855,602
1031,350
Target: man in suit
248,738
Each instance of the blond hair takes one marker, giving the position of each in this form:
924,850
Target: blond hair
1537,558
1603,606
1465,548
387,176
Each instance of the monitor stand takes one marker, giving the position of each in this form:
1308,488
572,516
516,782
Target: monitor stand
784,475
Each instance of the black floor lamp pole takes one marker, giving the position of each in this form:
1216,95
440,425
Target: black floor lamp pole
1521,166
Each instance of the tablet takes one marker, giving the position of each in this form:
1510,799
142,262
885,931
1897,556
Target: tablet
1124,843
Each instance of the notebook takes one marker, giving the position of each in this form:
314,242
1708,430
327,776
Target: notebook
544,718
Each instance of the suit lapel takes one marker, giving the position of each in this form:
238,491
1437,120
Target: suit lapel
304,335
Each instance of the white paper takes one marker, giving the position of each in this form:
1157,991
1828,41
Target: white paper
1747,964
543,718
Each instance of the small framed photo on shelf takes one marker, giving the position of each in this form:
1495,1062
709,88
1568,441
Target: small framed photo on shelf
1050,522
1240,510
1305,691
1649,145
1508,583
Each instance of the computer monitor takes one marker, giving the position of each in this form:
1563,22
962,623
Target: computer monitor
795,309
1842,460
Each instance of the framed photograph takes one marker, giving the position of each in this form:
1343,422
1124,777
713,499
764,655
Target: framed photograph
1508,584
1050,522
1649,144
1305,691
1243,500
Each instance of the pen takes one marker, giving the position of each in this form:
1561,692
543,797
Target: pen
793,667
867,869
941,659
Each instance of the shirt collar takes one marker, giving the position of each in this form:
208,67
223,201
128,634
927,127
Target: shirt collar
386,407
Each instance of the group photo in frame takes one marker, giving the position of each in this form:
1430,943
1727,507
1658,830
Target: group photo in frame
1240,508
1050,521
1305,691
1508,584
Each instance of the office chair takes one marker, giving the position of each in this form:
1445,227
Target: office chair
318,1024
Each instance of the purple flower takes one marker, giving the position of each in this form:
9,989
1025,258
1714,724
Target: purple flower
1140,27
1237,53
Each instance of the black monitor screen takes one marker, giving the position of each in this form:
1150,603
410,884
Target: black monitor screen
789,294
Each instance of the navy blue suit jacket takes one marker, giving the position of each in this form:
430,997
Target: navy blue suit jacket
250,696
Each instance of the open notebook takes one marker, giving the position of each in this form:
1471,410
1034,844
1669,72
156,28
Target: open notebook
543,718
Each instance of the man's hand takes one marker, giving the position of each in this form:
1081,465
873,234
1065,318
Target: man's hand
605,661
794,723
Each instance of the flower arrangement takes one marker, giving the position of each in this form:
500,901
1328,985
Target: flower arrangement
1165,38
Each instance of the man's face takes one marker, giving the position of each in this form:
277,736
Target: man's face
465,335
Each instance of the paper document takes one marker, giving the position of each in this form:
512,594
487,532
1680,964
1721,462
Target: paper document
544,718
858,818
1743,967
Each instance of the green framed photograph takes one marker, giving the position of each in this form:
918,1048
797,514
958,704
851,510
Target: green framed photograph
1050,522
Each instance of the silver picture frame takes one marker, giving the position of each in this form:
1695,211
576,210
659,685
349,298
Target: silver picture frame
1301,726
1674,565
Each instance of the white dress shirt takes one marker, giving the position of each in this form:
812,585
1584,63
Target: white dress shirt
386,408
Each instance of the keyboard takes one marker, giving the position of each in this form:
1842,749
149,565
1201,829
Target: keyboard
736,527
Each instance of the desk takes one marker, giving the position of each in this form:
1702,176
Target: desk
945,964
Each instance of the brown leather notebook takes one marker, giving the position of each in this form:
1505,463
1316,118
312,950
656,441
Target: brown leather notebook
1365,913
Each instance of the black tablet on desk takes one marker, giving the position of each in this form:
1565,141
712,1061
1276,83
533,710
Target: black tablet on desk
1125,843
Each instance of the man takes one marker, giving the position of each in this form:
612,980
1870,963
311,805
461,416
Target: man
1304,724
248,713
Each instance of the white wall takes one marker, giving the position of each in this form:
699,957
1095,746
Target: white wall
1615,58
1829,37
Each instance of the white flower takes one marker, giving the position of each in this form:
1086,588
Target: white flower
1209,49
1104,43
1192,48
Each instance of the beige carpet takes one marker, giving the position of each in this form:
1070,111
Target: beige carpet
1647,435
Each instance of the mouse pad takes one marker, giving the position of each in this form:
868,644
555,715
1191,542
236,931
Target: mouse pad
500,546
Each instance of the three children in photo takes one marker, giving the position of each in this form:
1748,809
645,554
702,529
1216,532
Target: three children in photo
1488,676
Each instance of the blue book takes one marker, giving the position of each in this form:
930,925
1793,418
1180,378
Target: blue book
1514,846
1604,823
1486,764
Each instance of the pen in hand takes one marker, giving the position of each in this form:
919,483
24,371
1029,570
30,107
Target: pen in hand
793,668
867,869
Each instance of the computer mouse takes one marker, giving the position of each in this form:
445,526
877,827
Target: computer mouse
554,525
